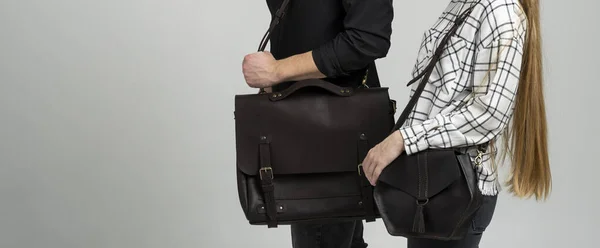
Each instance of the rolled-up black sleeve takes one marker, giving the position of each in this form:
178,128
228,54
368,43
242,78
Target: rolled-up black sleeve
366,37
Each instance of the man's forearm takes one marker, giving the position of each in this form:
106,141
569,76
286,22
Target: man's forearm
297,67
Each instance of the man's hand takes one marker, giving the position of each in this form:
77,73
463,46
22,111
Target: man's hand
260,70
382,155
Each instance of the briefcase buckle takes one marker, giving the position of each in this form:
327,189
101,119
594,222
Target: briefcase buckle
266,170
359,168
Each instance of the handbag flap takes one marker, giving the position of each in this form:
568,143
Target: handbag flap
442,167
310,131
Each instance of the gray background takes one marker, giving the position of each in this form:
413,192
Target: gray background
117,129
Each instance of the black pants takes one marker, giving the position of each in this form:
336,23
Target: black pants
347,234
350,234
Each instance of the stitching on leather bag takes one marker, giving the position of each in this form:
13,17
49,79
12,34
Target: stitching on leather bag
317,198
419,173
426,177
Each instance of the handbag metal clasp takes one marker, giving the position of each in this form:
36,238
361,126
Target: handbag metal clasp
479,158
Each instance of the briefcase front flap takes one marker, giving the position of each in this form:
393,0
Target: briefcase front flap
310,131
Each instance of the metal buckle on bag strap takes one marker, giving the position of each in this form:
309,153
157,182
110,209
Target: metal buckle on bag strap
363,83
359,168
266,170
422,202
393,105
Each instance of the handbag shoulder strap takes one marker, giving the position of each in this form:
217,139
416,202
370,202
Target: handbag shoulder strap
274,22
424,76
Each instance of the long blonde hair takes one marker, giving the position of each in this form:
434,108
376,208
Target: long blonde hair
526,139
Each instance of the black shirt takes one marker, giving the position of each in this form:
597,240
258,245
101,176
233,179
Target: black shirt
345,36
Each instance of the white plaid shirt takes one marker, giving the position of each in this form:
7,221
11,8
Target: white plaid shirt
469,99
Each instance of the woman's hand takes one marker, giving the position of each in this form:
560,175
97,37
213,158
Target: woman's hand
382,155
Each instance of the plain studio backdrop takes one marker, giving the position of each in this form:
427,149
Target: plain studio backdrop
117,129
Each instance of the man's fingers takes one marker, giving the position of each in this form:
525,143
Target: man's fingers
247,59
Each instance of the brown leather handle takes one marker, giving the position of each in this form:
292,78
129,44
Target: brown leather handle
318,83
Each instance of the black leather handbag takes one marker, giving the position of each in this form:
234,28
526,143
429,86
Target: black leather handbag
298,150
431,194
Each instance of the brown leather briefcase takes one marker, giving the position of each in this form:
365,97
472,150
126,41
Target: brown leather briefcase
298,151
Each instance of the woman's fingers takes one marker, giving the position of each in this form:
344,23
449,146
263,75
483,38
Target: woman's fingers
376,174
367,163
374,164
371,165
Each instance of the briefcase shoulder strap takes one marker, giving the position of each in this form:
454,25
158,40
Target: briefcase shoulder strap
274,22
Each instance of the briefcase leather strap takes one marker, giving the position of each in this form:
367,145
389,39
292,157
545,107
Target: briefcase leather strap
266,181
274,22
366,188
266,171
